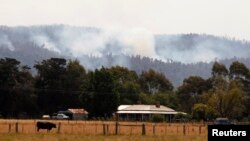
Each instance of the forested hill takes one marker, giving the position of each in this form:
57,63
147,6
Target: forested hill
176,72
177,56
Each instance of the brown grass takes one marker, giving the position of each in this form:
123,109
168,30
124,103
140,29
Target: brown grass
70,137
93,130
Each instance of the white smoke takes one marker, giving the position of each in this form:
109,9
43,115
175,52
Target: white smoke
139,42
133,42
5,42
44,41
196,49
76,42
100,43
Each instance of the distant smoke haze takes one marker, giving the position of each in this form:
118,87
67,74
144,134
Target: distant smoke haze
193,48
6,43
95,48
79,41
45,42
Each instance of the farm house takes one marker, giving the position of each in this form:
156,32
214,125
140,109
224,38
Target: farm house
141,112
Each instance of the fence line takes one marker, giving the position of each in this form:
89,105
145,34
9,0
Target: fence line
105,128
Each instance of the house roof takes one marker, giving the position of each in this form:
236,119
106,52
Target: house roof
145,109
123,107
78,111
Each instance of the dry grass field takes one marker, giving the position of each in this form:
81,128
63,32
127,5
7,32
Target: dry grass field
25,130
67,137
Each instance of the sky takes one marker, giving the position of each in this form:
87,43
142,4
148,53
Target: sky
228,18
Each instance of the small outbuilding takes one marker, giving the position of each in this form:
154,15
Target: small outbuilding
78,114
75,114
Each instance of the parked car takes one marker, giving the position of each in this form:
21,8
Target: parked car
54,115
61,116
46,117
222,121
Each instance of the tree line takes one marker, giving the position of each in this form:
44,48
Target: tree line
59,84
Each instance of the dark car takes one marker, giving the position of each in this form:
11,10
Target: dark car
222,121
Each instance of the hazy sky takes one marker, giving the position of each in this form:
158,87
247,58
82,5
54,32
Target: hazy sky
220,17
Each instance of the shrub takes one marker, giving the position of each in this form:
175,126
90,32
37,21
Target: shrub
157,118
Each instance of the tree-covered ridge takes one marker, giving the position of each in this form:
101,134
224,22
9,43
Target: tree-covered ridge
178,56
60,84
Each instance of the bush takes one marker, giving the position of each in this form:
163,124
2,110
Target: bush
203,112
157,118
180,117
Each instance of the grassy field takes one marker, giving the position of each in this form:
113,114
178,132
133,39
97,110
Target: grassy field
68,137
25,130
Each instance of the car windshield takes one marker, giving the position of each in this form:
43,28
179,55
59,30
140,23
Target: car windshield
222,121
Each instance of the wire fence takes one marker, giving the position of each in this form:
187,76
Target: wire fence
104,127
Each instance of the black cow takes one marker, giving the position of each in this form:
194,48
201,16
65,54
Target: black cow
45,125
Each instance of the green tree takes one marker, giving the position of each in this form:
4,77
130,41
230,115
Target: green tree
9,69
240,73
73,79
75,75
227,102
146,99
100,94
126,84
51,73
238,70
168,99
219,70
16,88
59,84
203,112
152,82
190,91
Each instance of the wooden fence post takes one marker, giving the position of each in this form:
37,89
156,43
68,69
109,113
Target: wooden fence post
154,129
143,129
95,128
9,127
131,128
16,127
104,129
83,128
107,129
116,128
184,130
200,130
59,128
35,128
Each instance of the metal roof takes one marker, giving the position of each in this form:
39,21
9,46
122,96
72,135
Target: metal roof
145,112
123,107
78,111
145,109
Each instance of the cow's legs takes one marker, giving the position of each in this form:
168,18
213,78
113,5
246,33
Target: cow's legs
48,129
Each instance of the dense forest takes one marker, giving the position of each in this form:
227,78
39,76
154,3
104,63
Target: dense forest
64,83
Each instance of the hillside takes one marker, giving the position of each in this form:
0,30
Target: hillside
177,56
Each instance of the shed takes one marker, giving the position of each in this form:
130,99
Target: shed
78,114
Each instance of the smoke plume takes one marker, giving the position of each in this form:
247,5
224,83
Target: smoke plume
6,43
78,42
